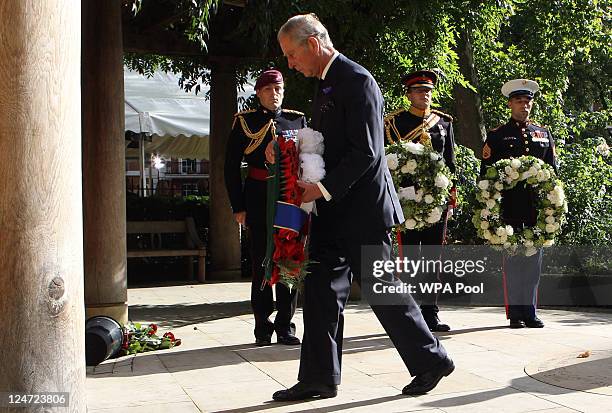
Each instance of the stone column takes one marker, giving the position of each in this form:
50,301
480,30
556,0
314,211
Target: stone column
223,235
41,228
104,160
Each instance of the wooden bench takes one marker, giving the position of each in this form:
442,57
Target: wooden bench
195,247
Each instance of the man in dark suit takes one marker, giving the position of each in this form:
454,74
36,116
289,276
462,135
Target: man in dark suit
251,132
356,205
518,137
432,128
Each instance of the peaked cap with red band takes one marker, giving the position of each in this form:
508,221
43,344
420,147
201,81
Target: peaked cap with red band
420,78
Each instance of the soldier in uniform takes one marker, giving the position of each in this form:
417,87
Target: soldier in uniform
520,136
431,128
251,132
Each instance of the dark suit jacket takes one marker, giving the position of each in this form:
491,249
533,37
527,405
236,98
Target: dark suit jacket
348,111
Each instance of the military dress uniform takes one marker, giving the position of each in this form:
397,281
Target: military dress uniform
521,274
252,130
435,129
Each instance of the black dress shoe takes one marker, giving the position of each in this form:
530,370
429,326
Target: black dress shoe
302,391
288,340
263,341
425,382
516,323
434,324
535,322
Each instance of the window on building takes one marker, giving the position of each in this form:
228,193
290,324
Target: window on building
190,189
189,166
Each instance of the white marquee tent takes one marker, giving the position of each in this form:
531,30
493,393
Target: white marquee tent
178,121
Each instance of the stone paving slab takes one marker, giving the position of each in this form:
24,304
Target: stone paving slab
218,369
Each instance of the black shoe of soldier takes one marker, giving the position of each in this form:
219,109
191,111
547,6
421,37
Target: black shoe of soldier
535,322
434,324
516,323
288,340
263,341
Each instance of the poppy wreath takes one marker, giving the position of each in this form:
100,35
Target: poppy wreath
425,198
550,204
288,224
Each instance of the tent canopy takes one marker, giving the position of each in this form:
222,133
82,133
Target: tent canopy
178,121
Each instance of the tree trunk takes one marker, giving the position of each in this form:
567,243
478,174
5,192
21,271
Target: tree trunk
103,160
469,126
41,229
224,237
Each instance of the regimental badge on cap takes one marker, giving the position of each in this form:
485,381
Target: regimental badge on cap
520,87
420,78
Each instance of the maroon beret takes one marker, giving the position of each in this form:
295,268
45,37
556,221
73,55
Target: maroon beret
268,77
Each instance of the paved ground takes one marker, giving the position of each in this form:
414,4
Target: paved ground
217,369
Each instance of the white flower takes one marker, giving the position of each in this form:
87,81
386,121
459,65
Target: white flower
497,196
508,170
550,228
500,231
419,195
434,156
490,203
485,213
311,141
528,243
434,215
549,211
541,176
313,167
486,234
410,223
514,175
484,225
530,251
603,149
484,194
515,163
509,230
442,181
550,219
549,242
409,167
428,199
499,186
392,161
507,245
415,148
484,184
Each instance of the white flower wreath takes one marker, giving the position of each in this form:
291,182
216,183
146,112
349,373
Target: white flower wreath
550,204
424,202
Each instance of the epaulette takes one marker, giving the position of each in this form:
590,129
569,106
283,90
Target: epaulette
297,112
446,115
245,111
394,113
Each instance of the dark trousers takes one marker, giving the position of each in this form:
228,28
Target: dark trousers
422,243
326,289
262,300
521,279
